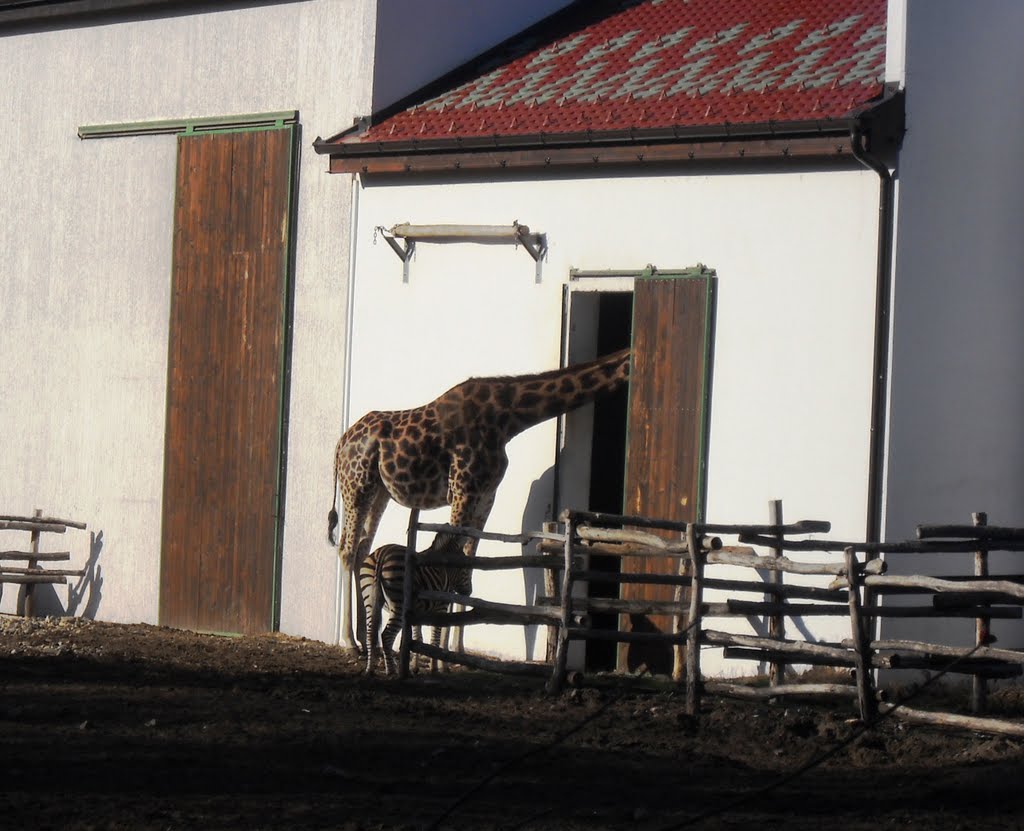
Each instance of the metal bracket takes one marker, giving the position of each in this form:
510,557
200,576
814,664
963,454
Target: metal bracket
404,253
536,245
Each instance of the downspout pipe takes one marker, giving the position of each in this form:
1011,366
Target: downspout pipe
880,368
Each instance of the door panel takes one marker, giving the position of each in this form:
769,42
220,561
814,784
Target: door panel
225,380
668,412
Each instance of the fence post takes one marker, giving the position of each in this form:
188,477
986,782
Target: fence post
28,606
407,593
562,647
693,635
982,633
861,644
551,590
776,622
679,649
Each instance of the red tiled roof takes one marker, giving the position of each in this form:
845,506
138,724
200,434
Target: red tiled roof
658,64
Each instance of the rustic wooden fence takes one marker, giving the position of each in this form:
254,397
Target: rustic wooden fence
852,579
33,565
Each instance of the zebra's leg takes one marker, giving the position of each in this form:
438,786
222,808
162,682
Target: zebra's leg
373,615
367,589
417,634
435,640
388,640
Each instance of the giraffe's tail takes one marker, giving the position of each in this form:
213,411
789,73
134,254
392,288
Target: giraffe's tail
332,524
332,516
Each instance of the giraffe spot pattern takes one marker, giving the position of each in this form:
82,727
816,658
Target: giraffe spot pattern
506,396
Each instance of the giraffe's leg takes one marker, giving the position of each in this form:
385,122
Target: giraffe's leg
471,505
349,598
362,516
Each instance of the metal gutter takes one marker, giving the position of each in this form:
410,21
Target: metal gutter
18,16
343,580
860,134
590,138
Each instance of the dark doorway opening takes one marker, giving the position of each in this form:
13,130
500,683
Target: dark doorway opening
608,464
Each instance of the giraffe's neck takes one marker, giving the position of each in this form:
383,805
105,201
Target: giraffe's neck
531,399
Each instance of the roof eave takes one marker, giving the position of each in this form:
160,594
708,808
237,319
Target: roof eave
756,140
588,138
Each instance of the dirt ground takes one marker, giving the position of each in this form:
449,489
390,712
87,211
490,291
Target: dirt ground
138,727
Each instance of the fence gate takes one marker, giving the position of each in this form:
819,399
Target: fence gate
666,437
226,379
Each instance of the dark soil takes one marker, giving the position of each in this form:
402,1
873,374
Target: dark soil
139,727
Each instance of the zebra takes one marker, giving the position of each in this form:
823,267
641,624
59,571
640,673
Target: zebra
382,581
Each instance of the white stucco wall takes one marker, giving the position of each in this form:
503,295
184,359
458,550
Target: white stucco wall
85,283
794,252
956,443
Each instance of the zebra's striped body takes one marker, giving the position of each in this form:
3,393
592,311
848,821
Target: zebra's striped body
382,583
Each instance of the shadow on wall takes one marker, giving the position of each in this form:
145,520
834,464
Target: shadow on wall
761,625
84,594
538,511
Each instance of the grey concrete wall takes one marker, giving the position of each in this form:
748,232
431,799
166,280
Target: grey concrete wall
956,443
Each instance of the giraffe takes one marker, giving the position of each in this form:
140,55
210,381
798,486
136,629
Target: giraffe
450,451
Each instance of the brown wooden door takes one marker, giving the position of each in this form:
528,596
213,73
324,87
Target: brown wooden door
225,380
667,432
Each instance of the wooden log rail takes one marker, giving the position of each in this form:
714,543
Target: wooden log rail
489,563
31,570
529,668
484,611
954,721
937,546
734,690
784,590
630,549
598,519
973,533
477,534
780,563
1004,588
